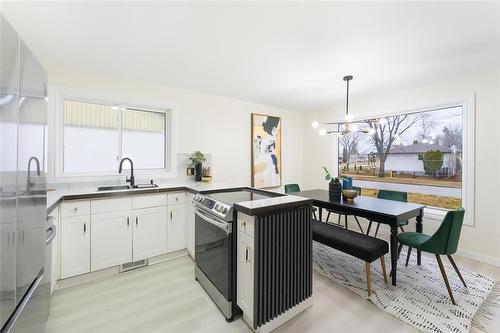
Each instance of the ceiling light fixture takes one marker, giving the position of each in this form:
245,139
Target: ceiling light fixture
347,126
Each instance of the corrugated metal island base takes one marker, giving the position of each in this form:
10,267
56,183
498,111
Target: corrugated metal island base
274,262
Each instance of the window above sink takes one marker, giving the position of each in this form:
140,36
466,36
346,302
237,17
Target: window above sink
91,136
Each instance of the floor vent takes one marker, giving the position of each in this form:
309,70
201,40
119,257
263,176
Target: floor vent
133,265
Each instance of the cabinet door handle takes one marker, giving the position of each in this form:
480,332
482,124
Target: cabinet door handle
85,227
137,220
246,255
170,215
128,221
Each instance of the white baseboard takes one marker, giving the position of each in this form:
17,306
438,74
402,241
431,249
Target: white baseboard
384,233
479,257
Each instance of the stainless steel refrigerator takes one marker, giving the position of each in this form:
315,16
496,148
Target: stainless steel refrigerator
24,230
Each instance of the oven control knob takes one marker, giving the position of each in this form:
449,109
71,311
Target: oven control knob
224,210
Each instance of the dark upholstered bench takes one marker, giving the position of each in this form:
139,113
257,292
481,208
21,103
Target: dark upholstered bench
358,245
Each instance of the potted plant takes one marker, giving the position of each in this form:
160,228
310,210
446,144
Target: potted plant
197,160
334,185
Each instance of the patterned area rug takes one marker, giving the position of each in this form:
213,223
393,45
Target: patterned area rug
420,298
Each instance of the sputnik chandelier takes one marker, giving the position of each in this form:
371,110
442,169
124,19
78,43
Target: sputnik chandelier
347,126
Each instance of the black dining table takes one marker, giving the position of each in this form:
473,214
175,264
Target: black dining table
378,210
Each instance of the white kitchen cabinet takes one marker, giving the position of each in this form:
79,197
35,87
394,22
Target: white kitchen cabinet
245,273
149,232
75,208
176,198
176,227
75,246
149,200
190,245
108,205
111,237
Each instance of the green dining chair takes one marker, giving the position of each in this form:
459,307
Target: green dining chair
293,188
390,195
443,242
345,215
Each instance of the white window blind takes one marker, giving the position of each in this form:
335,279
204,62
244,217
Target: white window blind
97,136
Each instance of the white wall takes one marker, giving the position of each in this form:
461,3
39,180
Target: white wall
212,124
482,240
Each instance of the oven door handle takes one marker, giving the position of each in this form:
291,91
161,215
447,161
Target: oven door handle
219,224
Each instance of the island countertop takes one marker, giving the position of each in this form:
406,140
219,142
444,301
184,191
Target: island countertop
271,205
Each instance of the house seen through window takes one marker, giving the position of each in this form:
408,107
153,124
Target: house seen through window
419,153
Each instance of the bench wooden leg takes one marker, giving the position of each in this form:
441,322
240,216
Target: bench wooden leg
345,218
382,262
368,278
338,221
327,216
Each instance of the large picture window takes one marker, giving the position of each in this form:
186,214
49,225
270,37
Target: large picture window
420,153
96,137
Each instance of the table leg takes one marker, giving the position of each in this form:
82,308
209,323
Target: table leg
419,228
320,214
394,253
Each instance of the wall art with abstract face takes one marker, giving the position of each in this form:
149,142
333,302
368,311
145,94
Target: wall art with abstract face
266,151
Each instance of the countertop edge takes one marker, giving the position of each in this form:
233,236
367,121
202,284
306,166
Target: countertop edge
106,194
245,207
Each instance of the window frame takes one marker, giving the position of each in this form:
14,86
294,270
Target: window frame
468,174
98,176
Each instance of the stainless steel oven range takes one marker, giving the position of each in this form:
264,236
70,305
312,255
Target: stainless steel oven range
215,235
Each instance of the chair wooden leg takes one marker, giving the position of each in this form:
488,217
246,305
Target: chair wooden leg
345,218
445,278
327,217
401,227
368,278
400,247
456,270
408,255
376,230
382,262
314,216
369,227
338,221
359,224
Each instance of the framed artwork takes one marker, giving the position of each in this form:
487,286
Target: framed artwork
266,151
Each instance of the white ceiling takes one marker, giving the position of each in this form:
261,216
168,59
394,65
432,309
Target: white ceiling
291,55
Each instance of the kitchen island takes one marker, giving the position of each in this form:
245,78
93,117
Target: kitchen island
274,260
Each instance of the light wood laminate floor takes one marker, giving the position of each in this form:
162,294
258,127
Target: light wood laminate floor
166,298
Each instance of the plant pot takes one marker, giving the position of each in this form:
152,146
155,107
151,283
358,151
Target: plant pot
335,190
198,169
